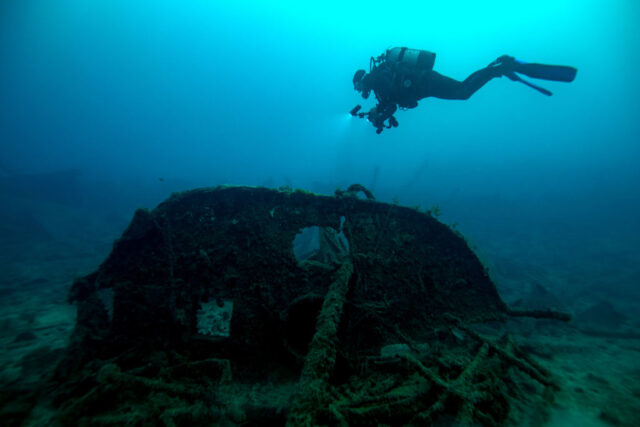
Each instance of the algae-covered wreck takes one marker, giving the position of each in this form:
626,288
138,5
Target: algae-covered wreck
211,311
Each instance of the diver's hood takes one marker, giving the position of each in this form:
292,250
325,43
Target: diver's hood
357,77
361,83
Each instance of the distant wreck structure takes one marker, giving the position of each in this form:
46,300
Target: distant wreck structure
253,306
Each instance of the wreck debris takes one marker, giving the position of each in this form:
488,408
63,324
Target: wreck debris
353,191
373,327
321,357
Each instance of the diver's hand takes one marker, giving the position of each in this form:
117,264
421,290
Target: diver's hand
380,125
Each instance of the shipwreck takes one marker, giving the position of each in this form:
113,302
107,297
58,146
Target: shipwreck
254,306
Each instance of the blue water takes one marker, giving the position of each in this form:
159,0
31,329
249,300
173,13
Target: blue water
246,92
150,97
158,96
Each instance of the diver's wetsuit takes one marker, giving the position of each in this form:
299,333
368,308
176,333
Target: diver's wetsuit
401,77
397,83
392,84
444,87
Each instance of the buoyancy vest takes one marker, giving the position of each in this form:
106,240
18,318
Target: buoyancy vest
399,70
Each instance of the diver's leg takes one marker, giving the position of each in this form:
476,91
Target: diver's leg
447,88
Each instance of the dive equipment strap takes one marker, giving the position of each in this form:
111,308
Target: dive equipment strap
516,78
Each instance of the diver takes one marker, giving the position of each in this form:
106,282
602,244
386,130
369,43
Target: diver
401,77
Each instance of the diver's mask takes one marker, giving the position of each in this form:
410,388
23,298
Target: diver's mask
359,83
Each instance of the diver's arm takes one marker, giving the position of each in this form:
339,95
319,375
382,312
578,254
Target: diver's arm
380,113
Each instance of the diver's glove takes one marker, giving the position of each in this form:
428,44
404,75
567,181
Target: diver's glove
380,126
379,114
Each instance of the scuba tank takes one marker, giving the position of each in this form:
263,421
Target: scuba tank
411,58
